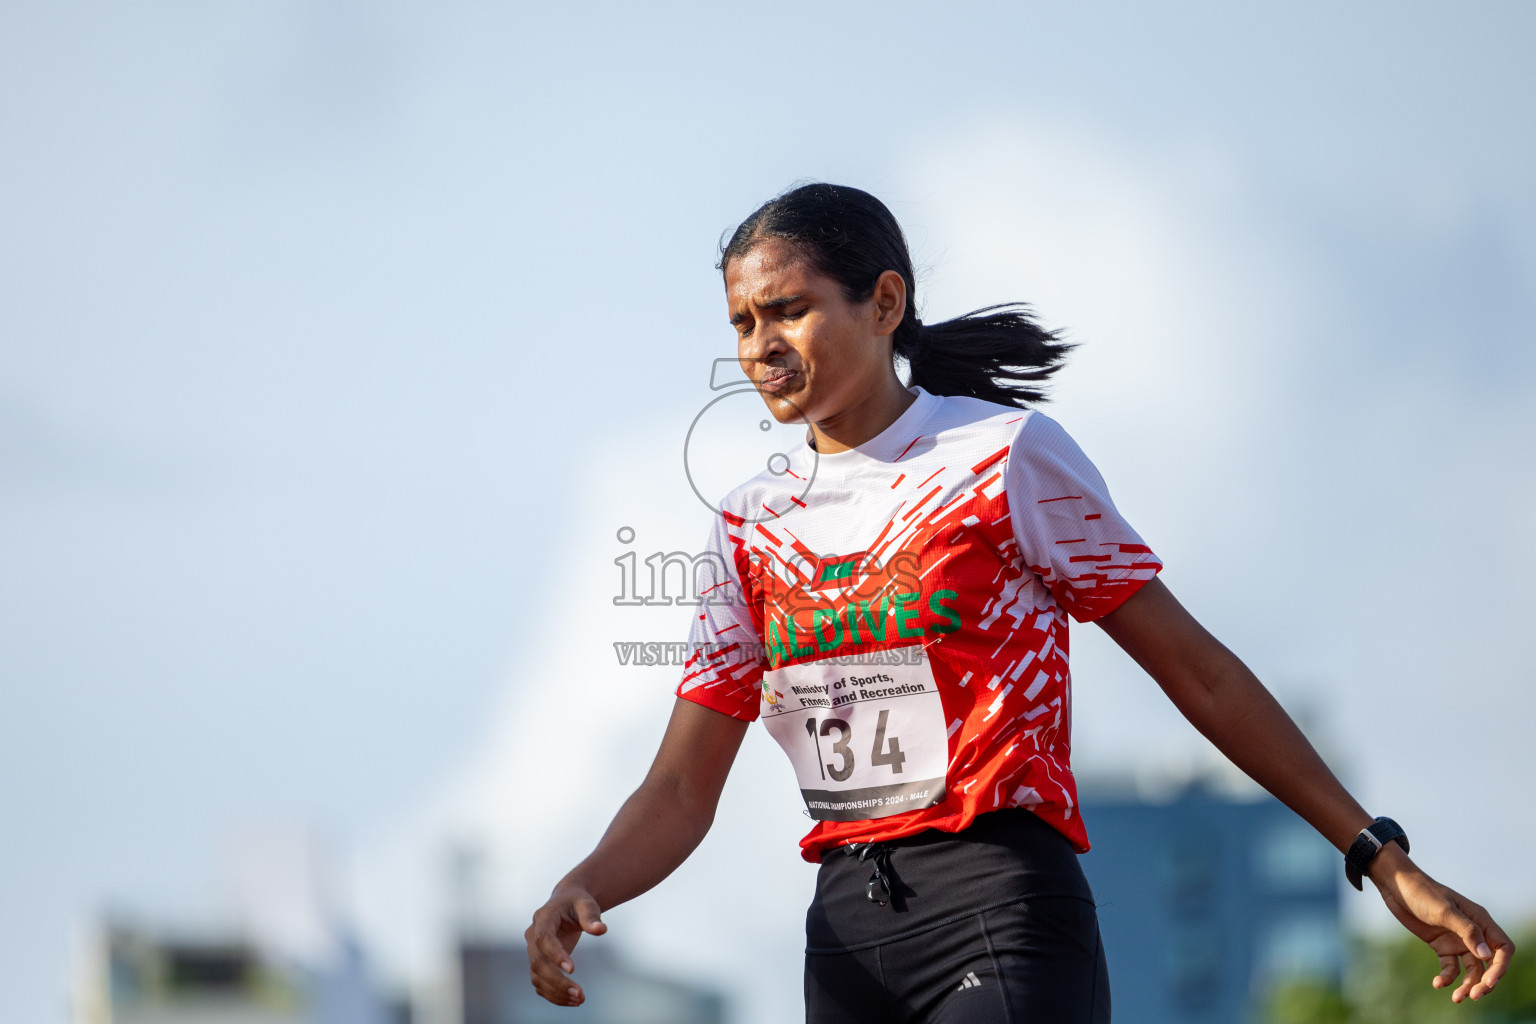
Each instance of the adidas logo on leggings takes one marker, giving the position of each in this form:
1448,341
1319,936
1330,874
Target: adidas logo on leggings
971,981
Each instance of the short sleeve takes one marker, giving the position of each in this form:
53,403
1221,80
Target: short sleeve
1068,530
724,665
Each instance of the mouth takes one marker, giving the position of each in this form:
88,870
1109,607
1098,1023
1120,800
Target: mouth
777,379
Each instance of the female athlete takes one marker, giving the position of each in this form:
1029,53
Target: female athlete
894,606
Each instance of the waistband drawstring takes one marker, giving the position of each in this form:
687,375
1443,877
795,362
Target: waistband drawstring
884,875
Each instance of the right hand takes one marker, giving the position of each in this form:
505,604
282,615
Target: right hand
551,937
1462,934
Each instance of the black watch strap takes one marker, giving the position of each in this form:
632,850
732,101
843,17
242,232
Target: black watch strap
1368,844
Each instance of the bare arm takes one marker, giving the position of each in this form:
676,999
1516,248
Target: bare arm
1229,706
655,831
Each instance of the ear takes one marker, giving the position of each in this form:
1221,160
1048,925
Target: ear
890,302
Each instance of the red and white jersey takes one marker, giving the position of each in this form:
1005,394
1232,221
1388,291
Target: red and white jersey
897,615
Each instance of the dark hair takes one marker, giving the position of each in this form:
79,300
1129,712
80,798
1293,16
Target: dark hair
997,353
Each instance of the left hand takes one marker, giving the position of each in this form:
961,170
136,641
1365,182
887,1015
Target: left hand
1461,933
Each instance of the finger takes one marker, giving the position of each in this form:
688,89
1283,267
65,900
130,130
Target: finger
1503,951
553,984
554,953
589,916
1470,979
1471,935
1450,966
547,972
544,947
561,994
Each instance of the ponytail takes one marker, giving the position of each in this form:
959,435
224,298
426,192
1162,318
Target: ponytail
998,353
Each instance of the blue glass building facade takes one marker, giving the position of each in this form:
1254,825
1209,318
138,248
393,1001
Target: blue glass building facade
1206,901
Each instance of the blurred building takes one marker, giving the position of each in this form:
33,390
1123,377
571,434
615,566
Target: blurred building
493,986
283,953
496,990
136,976
1208,899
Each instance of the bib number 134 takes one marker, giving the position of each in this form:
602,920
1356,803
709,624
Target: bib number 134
841,735
865,742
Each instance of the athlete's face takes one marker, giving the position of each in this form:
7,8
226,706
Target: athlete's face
812,354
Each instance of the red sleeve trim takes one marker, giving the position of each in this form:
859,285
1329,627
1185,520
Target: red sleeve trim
1106,597
711,697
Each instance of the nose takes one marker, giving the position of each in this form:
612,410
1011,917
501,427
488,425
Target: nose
765,344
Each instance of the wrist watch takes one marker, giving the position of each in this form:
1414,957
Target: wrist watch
1368,844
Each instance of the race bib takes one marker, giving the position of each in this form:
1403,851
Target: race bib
866,741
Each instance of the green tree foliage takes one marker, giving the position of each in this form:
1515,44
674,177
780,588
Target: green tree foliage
1389,983
1307,1002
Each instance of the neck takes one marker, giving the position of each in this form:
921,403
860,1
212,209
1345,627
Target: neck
864,419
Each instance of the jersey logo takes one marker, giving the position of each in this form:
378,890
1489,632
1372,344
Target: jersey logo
831,571
971,981
835,572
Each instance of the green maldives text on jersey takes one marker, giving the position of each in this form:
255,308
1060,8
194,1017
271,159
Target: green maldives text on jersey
858,622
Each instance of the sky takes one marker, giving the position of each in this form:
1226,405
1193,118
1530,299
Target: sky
338,341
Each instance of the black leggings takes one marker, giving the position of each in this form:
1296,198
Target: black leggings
993,924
